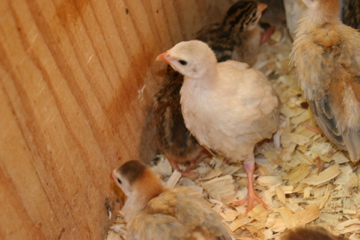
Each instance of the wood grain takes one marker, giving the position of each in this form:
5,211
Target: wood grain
75,76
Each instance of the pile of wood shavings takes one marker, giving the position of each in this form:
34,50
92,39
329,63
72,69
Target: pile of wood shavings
301,176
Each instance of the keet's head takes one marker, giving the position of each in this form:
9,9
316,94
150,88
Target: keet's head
191,58
243,16
127,174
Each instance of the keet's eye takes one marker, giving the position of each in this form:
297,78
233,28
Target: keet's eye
119,181
182,62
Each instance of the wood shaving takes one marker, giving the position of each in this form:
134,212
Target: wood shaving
173,180
325,176
301,176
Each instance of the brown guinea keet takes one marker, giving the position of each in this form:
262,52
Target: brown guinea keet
154,212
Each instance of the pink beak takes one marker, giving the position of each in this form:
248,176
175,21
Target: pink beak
163,57
112,176
262,7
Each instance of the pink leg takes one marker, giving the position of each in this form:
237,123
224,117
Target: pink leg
187,172
175,166
251,196
314,129
267,34
203,153
227,160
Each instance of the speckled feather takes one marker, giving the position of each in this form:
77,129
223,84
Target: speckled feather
233,38
230,39
326,54
351,13
173,137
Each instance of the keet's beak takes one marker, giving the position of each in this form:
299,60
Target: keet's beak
163,57
262,7
112,176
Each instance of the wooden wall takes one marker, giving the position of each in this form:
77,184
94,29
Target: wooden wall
75,76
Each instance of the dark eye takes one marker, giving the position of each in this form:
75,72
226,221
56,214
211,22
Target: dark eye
119,181
182,62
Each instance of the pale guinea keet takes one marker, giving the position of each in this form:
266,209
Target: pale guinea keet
155,212
326,55
238,37
227,106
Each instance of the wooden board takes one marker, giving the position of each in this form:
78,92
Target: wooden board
75,76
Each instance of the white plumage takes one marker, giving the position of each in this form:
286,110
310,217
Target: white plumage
227,106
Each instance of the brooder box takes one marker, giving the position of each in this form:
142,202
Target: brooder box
76,76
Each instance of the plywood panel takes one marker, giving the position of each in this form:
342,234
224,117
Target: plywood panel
75,76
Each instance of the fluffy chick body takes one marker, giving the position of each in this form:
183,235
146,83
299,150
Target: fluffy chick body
233,112
227,106
155,212
173,138
326,54
237,37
